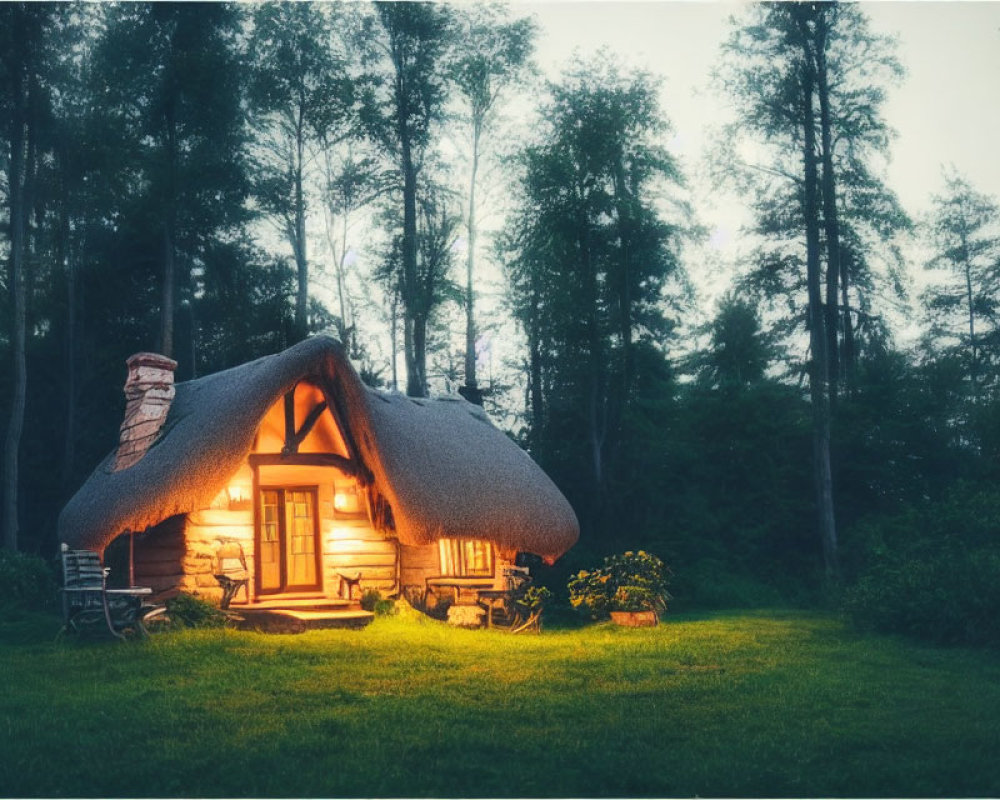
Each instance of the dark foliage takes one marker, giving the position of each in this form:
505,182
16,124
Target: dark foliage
188,611
931,569
28,582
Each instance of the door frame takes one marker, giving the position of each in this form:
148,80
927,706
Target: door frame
283,538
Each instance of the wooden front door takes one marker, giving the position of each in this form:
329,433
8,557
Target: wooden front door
288,548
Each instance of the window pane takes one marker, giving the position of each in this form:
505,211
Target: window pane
270,544
465,557
478,557
301,539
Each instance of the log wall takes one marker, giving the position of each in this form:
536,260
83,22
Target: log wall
177,555
417,564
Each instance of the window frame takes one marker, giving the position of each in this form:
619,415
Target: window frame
455,555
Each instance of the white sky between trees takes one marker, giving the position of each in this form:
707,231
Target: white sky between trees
946,111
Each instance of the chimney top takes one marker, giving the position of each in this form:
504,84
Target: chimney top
149,391
150,360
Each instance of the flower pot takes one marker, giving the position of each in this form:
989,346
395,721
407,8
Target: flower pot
635,619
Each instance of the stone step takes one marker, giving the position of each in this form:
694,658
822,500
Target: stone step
289,620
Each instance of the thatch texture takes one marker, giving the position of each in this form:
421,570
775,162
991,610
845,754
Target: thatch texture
441,465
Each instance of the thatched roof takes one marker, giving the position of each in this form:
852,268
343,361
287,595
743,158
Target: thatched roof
444,469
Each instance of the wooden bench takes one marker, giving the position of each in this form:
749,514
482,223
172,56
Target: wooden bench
88,603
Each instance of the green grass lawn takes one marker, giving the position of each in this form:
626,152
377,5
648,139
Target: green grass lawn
759,703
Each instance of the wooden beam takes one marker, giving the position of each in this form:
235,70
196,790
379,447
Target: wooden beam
333,401
291,446
307,425
303,459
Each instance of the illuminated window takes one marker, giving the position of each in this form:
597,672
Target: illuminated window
466,557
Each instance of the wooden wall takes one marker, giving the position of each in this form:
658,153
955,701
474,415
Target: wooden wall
417,564
177,555
352,546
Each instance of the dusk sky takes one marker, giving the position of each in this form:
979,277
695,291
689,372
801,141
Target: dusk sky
945,110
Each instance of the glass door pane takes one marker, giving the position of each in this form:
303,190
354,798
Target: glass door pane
269,555
300,539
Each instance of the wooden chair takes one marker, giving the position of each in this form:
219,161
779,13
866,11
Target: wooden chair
506,601
230,568
88,603
349,581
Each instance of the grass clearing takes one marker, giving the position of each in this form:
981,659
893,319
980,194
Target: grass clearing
760,703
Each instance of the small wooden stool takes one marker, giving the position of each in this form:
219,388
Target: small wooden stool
349,582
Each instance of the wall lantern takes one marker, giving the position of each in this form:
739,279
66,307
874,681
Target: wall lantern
239,497
347,499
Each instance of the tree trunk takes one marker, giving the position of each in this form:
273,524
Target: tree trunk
818,372
535,394
15,423
414,367
346,314
419,355
970,298
849,349
169,252
622,201
470,314
596,399
299,243
393,337
66,258
830,220
169,292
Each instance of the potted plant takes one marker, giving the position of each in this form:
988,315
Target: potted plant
630,588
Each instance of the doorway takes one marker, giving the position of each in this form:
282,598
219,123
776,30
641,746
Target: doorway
287,547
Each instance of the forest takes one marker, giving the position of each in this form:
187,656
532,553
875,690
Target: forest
217,181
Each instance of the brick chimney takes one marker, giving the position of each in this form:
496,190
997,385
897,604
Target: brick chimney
149,390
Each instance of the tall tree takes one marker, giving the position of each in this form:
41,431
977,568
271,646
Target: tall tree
23,32
353,179
303,99
172,91
438,224
589,260
965,232
809,80
413,40
493,55
739,351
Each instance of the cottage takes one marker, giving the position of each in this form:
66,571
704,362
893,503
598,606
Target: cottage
321,485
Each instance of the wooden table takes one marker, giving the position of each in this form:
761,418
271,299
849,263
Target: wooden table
134,591
456,584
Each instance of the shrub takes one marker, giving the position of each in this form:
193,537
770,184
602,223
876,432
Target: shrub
535,598
188,611
931,571
633,581
950,597
370,598
28,581
385,607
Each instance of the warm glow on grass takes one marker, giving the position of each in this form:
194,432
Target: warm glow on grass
739,704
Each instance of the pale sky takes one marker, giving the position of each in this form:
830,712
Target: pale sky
946,110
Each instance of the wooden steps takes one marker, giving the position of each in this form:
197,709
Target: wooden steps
312,603
295,614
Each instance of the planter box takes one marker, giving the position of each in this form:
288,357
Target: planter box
635,619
